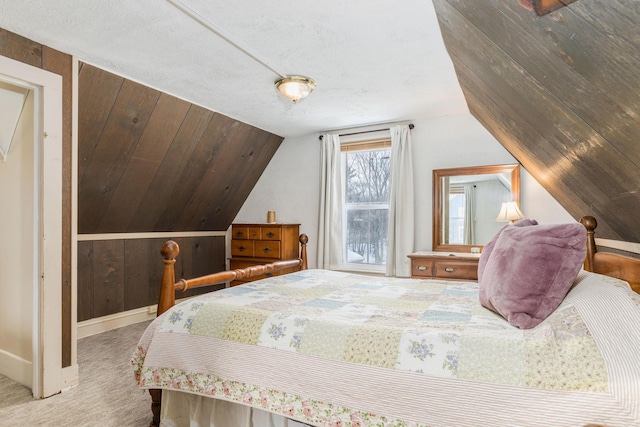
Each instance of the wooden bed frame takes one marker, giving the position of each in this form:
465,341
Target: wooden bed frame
610,264
170,251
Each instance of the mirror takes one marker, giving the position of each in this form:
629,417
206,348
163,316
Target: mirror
466,202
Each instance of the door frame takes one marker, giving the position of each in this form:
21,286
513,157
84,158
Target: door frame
47,283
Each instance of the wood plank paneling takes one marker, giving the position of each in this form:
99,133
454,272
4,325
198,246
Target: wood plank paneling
97,93
119,275
206,159
85,281
136,274
61,63
165,181
554,146
144,163
108,277
559,93
20,48
126,123
185,168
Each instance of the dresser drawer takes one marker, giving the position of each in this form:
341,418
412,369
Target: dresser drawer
421,268
271,233
254,233
458,269
267,249
242,248
239,232
442,266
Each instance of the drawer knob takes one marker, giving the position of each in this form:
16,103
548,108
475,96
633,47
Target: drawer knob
422,268
271,234
241,248
450,269
266,249
239,233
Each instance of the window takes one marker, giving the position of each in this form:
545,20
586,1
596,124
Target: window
366,172
457,209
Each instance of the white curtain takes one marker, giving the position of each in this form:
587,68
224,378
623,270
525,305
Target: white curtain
330,252
401,211
469,214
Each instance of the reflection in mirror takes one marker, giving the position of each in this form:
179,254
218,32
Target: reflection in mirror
466,202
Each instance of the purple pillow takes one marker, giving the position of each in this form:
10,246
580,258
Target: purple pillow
488,248
530,271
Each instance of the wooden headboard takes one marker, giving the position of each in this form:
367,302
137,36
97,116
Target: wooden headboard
610,264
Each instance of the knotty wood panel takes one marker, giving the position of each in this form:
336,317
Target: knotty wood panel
166,180
20,48
145,161
35,54
108,277
126,123
85,281
136,273
99,92
118,275
179,167
560,93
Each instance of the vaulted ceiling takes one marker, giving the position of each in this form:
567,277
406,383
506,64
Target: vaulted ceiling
373,61
561,92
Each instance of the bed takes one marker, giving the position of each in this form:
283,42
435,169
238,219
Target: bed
326,348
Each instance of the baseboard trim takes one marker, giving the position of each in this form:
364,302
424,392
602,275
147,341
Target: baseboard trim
16,368
70,377
98,325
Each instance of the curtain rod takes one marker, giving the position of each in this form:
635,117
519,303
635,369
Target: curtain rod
411,126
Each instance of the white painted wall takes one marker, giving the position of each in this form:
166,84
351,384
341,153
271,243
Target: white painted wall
290,183
17,257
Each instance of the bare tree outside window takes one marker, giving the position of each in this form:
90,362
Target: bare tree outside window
367,206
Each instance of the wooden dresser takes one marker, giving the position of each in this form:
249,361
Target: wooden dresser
444,265
253,244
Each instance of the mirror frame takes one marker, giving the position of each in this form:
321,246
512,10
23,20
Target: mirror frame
438,174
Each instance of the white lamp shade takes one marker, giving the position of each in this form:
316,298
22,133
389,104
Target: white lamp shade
509,212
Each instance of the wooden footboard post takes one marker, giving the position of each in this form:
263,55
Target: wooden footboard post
304,239
169,251
590,224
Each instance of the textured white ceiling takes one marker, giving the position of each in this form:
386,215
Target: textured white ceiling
374,61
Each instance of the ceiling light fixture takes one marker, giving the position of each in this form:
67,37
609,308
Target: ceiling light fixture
293,87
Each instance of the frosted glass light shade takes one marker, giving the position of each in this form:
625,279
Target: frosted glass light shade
295,87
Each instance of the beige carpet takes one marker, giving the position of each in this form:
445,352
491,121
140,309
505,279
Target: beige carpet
107,394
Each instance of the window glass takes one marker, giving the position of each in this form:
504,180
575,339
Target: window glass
457,208
366,206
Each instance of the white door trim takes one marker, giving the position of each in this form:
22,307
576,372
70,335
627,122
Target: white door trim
47,304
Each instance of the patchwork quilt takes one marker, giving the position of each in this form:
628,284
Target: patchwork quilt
339,349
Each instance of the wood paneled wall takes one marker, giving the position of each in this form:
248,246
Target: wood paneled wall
120,275
561,93
150,162
35,54
147,162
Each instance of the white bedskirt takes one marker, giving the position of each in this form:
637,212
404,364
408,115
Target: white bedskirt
190,410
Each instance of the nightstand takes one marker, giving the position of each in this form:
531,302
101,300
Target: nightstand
444,265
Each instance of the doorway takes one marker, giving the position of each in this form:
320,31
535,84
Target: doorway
31,226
